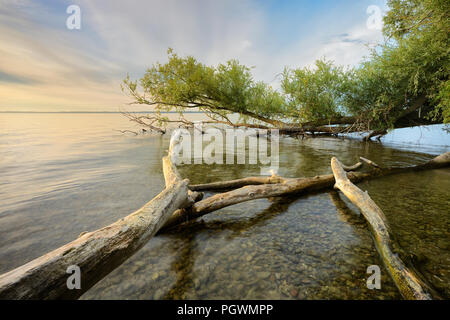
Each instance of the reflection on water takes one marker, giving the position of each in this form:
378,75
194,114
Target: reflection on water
67,173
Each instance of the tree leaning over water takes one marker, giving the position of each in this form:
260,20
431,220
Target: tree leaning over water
403,83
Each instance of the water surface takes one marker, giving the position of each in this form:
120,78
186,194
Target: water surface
63,174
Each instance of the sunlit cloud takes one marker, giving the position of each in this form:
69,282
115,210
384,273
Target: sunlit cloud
45,66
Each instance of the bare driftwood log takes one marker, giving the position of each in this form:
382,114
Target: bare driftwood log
441,161
370,163
99,252
238,183
252,188
408,283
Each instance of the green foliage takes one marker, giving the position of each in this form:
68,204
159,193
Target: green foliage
421,52
444,103
412,65
184,83
411,18
315,93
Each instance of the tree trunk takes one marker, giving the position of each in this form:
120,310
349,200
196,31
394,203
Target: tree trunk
408,283
96,253
252,188
99,252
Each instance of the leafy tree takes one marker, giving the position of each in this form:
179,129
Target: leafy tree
315,94
185,83
404,82
419,31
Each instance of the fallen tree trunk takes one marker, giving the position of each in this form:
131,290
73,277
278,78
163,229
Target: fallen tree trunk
252,188
238,183
99,252
441,161
247,193
408,283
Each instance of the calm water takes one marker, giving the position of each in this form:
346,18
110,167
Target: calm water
62,174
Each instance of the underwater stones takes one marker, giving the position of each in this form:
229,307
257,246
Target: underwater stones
443,244
301,296
155,276
213,287
140,263
263,274
293,292
158,294
133,269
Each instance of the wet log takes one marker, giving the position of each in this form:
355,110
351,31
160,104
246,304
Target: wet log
252,188
370,163
408,283
238,183
441,161
288,186
99,252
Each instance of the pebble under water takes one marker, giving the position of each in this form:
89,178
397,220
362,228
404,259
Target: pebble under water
308,247
63,174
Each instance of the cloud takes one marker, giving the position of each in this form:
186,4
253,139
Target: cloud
10,78
351,47
45,66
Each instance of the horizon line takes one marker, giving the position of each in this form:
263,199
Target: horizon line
14,111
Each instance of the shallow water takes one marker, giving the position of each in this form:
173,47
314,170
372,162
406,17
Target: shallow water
63,174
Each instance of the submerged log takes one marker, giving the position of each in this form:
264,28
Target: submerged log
408,283
369,162
252,188
238,183
247,193
96,253
99,252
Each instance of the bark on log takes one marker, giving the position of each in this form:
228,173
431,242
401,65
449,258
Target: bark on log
238,183
376,133
99,252
267,187
408,283
251,192
370,163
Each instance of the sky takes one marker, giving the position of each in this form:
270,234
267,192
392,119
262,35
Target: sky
45,66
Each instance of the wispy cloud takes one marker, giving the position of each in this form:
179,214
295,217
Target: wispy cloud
45,66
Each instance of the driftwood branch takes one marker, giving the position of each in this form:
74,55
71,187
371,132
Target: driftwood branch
408,283
99,252
238,183
252,188
370,163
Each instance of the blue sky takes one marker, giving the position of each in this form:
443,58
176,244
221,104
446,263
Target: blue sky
46,67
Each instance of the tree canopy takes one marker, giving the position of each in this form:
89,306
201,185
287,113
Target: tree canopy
404,82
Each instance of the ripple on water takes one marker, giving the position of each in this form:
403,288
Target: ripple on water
65,174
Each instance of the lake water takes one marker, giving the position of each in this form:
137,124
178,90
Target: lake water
62,174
